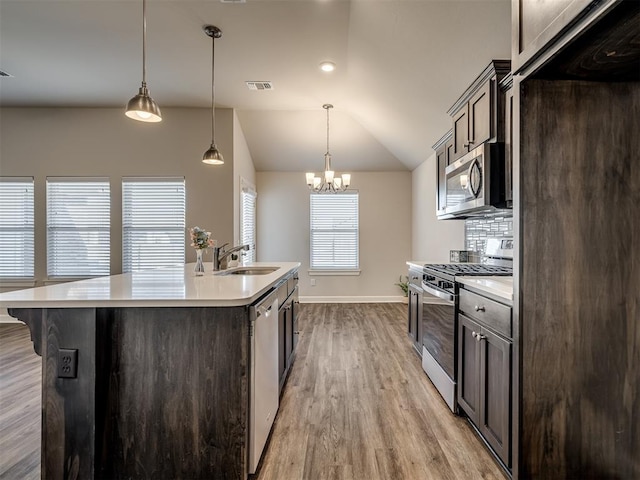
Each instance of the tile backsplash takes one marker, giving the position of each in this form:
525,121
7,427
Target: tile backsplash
477,230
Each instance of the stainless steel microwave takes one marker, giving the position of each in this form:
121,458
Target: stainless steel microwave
475,183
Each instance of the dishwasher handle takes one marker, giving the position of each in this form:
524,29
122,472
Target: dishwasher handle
262,310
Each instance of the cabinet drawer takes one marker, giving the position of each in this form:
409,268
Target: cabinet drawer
489,313
292,281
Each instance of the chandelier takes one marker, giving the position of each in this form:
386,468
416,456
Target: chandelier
328,182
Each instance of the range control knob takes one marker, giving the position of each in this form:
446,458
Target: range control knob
428,278
444,284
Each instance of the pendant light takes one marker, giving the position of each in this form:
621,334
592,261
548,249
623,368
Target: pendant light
328,182
142,107
213,155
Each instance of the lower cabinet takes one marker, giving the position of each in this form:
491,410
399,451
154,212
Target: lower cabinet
414,312
287,333
484,383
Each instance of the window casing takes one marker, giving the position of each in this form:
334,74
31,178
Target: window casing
17,228
78,227
153,223
334,232
248,222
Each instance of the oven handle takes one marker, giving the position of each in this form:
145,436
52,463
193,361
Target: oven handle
437,293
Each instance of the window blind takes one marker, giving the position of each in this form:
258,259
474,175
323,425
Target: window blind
334,231
153,223
248,222
78,227
16,228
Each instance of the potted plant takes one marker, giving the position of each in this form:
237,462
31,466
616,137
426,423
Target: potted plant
404,286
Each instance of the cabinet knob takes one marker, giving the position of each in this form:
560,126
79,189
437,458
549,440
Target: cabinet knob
474,334
414,278
479,308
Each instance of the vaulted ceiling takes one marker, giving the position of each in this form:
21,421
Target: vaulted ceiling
400,64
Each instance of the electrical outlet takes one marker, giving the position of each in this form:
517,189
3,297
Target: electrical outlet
67,363
313,282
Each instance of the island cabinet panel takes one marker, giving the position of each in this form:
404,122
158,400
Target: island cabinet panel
579,171
177,394
159,392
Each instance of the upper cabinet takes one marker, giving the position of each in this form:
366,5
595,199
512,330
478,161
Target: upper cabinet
541,27
444,157
478,115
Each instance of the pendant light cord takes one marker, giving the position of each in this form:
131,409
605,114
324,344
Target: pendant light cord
144,43
327,131
213,89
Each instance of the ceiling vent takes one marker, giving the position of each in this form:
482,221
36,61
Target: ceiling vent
5,74
260,85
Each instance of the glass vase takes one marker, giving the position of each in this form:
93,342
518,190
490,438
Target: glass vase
199,264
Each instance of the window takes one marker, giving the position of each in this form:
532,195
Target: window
16,228
248,221
78,227
334,231
153,223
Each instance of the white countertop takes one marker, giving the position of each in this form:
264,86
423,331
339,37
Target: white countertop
499,286
164,287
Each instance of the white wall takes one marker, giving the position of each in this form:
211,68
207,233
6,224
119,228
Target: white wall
243,168
43,142
385,233
431,238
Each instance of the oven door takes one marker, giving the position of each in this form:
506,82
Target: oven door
438,340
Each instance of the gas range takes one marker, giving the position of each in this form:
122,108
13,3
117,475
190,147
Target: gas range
468,269
497,261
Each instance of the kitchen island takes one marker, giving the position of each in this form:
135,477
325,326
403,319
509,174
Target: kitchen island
146,374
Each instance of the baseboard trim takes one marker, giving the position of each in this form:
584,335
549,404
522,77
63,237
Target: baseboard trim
332,299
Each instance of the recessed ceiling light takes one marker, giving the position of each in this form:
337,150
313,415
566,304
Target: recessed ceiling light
327,66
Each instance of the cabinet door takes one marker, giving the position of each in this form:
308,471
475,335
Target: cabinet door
508,146
288,324
414,307
460,137
417,344
295,313
441,191
480,116
537,24
469,367
495,393
282,362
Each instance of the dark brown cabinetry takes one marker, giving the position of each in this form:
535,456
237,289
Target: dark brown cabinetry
444,157
507,87
484,369
287,325
414,312
541,25
478,115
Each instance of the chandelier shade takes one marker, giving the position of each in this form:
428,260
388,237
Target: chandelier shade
328,182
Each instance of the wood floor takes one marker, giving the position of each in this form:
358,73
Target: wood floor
357,405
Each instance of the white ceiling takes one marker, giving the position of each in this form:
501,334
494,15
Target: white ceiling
400,65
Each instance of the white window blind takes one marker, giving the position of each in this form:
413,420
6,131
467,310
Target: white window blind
78,227
248,222
16,228
153,223
334,231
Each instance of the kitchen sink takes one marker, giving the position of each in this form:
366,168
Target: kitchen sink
250,271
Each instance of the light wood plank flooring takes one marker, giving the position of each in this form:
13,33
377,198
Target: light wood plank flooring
357,405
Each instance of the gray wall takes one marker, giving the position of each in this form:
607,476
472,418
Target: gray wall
43,142
385,233
431,238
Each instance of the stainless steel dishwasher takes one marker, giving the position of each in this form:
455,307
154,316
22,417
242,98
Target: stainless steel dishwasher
265,391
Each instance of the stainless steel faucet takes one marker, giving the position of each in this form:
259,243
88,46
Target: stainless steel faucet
220,255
